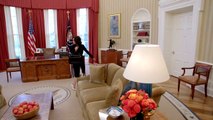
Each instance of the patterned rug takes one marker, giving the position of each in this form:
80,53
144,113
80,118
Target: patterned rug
60,94
182,108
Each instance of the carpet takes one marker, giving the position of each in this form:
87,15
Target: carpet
66,103
60,94
170,104
68,108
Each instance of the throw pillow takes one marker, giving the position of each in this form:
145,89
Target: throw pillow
112,98
97,73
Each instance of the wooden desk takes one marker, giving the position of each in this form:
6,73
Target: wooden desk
43,68
104,116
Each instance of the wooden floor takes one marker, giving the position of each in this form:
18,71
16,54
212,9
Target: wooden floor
202,106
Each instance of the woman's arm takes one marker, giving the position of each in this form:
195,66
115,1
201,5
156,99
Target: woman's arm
85,49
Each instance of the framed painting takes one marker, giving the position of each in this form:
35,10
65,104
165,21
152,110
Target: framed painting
114,26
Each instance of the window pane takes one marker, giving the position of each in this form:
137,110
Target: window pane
17,46
15,33
52,32
83,27
14,20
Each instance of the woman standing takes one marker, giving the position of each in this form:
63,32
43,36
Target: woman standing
77,49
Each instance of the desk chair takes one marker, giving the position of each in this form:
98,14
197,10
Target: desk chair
12,65
125,60
200,76
48,51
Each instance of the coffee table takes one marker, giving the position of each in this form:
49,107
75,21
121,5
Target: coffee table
45,101
104,116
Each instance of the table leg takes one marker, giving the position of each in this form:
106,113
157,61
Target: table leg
52,104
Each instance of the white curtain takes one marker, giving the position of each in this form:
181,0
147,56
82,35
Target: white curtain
10,39
82,27
51,29
20,32
10,34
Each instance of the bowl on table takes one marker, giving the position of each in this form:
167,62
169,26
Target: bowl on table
25,110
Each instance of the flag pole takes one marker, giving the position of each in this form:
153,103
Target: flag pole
68,14
29,12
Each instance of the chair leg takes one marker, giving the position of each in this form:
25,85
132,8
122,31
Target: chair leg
205,90
7,77
178,85
10,75
193,90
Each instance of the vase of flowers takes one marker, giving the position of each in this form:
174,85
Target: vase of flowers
138,105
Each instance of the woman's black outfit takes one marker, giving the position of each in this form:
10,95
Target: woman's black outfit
78,61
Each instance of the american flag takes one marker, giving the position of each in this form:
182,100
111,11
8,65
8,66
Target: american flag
31,38
69,32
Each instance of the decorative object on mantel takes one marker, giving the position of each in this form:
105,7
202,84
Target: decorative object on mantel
111,43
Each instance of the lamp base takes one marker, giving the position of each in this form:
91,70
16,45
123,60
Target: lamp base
146,87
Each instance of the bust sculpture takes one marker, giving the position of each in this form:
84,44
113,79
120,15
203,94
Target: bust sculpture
111,43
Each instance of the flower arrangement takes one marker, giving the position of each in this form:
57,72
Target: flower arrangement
134,102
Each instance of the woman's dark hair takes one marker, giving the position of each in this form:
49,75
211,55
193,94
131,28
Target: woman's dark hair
77,40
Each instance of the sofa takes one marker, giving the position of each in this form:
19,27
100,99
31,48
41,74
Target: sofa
2,99
94,95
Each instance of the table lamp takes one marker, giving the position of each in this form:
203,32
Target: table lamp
146,65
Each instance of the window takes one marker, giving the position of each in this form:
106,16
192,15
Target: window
50,20
14,32
82,27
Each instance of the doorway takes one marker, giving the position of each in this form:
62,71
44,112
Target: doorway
179,46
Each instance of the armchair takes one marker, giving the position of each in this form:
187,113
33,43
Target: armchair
200,76
12,65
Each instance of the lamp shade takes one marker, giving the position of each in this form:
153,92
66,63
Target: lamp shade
146,65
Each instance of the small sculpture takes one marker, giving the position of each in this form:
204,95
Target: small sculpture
111,43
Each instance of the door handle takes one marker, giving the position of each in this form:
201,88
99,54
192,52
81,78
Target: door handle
173,52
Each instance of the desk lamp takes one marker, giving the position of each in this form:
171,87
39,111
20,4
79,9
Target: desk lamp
146,66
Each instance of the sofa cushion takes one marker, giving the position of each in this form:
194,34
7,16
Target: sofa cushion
94,94
93,108
86,84
112,98
2,99
98,73
119,75
112,68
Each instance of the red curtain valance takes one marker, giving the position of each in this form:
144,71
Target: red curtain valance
53,4
49,4
17,3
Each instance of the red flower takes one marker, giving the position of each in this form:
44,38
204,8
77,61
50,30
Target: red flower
134,102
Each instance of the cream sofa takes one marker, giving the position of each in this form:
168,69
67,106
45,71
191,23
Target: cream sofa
2,99
95,96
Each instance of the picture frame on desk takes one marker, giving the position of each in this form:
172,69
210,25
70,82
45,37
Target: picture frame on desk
39,50
114,25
